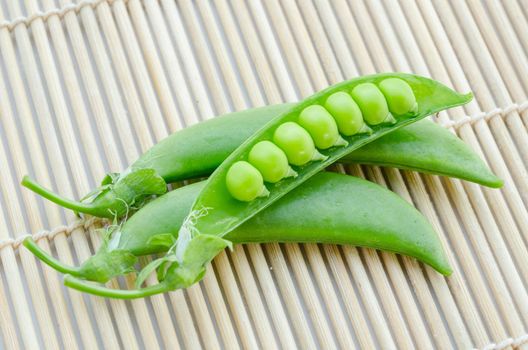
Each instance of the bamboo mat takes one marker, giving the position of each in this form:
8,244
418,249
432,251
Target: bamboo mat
86,87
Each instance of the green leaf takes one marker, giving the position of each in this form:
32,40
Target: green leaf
165,240
199,251
110,178
138,184
147,270
163,269
106,185
105,265
203,248
164,263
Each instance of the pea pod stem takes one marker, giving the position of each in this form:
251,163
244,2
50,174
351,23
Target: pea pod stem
87,208
40,253
100,290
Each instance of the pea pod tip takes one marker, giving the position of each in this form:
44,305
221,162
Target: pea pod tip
498,183
25,180
468,96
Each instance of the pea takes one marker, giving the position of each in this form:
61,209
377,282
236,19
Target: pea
321,126
346,114
372,104
400,96
296,143
245,182
271,161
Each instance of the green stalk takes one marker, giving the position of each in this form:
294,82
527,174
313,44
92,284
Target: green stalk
76,206
40,253
100,290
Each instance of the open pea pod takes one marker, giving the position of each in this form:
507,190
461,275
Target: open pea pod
328,208
236,192
216,211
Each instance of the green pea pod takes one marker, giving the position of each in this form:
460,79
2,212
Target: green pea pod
327,208
198,150
224,204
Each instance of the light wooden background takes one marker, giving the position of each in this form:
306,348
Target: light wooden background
87,87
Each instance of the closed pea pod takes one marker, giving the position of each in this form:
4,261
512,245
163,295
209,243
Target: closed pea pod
271,161
372,104
346,114
297,143
399,95
321,126
328,208
245,182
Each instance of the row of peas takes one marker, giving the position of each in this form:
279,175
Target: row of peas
318,127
